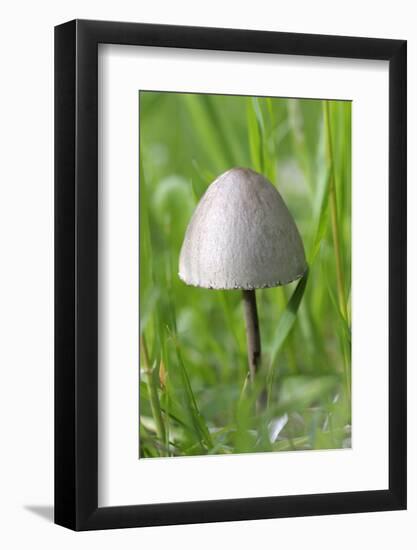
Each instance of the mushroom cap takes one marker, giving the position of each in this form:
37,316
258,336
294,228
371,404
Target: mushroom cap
241,235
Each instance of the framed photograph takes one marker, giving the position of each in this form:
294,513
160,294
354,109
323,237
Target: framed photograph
230,255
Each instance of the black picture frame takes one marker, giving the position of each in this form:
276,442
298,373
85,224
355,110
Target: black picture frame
76,272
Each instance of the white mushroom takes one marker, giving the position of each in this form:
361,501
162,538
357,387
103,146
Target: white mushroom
242,236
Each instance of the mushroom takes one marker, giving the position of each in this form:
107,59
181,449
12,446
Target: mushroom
242,236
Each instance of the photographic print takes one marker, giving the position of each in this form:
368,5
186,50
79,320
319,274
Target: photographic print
245,274
204,250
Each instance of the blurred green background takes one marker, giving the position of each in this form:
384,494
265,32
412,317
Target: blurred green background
194,398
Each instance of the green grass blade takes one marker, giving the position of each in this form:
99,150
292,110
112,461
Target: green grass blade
288,317
153,392
191,402
322,225
285,325
255,135
210,128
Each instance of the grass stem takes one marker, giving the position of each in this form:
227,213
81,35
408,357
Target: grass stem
336,241
334,216
153,393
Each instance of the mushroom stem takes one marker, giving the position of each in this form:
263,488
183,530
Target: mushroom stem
252,332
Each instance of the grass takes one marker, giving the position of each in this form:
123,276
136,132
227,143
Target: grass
194,395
